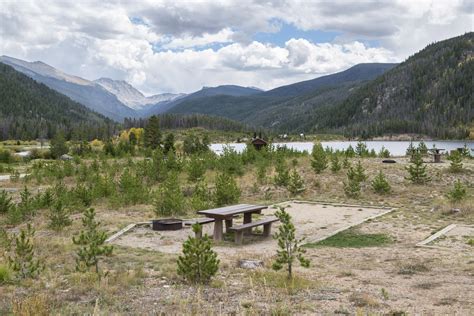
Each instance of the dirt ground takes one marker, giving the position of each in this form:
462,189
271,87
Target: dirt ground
456,239
313,221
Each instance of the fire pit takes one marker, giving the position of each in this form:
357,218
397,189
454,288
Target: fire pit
167,224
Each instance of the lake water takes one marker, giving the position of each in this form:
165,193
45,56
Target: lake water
396,148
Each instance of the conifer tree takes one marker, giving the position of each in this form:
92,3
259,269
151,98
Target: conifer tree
295,183
361,149
417,170
350,152
168,144
289,246
346,163
58,146
422,149
198,263
22,259
457,193
410,150
456,161
202,197
319,160
58,216
282,176
358,173
170,200
352,186
226,192
380,183
91,241
152,133
5,202
335,164
196,168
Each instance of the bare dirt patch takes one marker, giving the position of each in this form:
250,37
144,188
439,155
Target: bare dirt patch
313,221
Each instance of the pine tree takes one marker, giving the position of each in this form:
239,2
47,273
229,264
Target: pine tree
58,146
422,149
417,170
152,133
296,183
361,149
282,176
5,202
380,183
226,192
357,173
196,168
457,193
168,144
384,153
456,161
319,161
350,152
352,186
289,246
170,200
346,163
91,241
335,164
410,150
198,263
202,197
59,216
22,254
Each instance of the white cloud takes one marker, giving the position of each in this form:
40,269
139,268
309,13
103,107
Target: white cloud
98,38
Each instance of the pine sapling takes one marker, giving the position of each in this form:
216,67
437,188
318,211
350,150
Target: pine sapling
59,216
296,183
380,183
335,164
227,191
282,176
5,202
22,259
456,161
319,160
91,241
417,170
289,246
457,193
198,263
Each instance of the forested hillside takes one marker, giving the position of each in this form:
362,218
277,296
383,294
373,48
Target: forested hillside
30,110
430,93
178,121
283,108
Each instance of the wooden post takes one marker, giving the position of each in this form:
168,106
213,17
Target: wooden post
228,224
267,229
218,229
239,236
247,219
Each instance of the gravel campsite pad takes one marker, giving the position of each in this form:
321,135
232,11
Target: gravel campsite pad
313,221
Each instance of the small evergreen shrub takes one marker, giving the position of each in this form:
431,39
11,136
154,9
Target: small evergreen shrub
21,255
196,168
5,202
282,176
296,183
289,247
58,216
227,191
335,164
198,263
456,161
170,200
417,170
91,244
457,193
202,197
380,184
319,160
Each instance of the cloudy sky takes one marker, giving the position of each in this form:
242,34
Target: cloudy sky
180,46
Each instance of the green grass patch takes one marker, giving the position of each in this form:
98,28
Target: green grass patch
352,239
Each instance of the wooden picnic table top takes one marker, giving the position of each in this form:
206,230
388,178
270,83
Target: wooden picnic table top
227,211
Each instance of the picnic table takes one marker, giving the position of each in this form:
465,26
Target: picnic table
227,214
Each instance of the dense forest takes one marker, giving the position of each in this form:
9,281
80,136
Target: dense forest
30,110
178,121
430,93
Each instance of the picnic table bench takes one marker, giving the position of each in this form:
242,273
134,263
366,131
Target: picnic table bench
227,214
239,230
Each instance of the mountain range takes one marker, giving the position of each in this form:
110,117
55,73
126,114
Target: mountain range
430,93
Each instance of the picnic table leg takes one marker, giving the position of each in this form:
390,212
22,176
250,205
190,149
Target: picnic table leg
267,229
218,229
247,219
228,224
